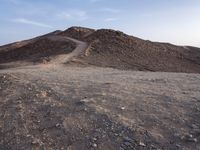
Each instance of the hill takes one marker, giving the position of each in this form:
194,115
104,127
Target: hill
109,48
115,49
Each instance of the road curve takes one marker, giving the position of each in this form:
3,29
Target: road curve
64,58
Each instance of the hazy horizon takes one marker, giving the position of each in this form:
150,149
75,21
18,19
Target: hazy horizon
175,22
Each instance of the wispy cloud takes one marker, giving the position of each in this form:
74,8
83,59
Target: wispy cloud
111,19
94,1
31,22
14,1
109,10
78,15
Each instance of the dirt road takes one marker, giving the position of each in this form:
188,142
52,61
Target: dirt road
64,54
64,58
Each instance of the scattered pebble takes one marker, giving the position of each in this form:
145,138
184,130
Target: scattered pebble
28,135
177,145
116,134
35,142
44,94
122,108
193,140
189,138
58,125
94,145
142,144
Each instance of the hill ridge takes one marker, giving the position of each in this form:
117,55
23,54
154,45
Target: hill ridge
111,48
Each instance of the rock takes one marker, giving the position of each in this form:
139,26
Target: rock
94,145
116,134
141,144
189,138
44,94
28,135
35,141
177,145
193,140
85,100
122,108
58,125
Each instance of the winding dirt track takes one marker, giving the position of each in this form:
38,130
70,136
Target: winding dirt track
64,58
55,62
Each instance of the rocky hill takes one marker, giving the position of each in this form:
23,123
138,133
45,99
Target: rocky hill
108,48
115,49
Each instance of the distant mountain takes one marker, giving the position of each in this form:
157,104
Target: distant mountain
107,48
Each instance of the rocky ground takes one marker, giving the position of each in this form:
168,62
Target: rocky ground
63,107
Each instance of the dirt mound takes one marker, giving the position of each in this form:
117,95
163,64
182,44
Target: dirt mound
77,32
35,51
111,48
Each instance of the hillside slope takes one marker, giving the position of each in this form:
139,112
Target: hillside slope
115,49
42,49
108,48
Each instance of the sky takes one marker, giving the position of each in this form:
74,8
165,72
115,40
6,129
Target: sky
172,21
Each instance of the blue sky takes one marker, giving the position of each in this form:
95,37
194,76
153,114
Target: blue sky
174,21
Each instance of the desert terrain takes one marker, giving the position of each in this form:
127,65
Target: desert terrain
99,89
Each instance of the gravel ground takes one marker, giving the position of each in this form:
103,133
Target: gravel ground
63,107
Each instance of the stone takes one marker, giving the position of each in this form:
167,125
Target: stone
28,135
142,144
94,145
122,108
44,94
189,138
58,125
